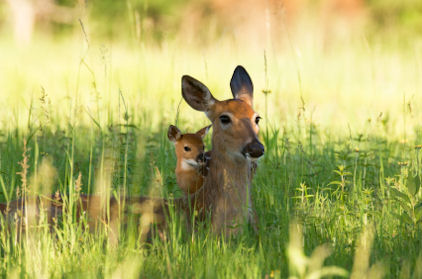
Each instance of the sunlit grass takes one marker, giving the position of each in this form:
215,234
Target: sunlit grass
357,84
342,135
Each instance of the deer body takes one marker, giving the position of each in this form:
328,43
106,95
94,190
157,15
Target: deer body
97,209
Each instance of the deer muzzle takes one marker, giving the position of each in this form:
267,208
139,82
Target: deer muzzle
201,158
254,149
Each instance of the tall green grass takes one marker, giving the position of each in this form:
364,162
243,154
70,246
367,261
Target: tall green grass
337,193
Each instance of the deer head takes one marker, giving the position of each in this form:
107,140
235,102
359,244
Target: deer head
235,123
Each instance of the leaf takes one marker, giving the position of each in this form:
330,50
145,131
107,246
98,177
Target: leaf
328,271
338,172
335,183
406,218
405,205
418,211
413,184
398,194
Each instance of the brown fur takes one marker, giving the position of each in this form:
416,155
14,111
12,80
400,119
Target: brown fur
189,176
99,212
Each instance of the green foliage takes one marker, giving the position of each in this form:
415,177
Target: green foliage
144,18
399,19
409,199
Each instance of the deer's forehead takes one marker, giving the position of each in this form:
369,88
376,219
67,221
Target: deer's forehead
237,108
191,139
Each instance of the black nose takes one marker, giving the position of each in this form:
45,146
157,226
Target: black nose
254,149
200,158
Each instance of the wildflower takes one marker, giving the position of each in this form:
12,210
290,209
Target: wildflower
78,183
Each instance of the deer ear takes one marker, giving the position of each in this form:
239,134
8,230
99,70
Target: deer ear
173,133
196,94
204,131
241,85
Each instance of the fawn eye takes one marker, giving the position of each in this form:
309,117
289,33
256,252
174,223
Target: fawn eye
257,119
225,119
187,148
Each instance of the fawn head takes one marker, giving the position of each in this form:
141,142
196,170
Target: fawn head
189,147
234,122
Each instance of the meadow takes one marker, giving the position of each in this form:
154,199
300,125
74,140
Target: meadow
337,193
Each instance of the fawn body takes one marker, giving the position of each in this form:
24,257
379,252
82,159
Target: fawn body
226,193
191,159
100,211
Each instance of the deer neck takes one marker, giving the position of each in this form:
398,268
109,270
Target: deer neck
188,178
227,191
228,180
228,174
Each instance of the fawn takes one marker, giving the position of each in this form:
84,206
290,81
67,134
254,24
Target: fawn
191,159
225,194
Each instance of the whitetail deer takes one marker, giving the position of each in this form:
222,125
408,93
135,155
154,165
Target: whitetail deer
191,160
226,191
226,194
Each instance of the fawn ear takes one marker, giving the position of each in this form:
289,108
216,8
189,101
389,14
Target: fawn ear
196,94
204,131
241,85
173,133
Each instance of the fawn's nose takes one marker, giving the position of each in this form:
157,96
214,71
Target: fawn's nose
200,158
254,149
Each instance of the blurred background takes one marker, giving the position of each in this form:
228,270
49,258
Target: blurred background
207,21
342,63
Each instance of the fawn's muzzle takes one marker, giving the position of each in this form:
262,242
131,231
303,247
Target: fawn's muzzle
254,149
204,157
201,158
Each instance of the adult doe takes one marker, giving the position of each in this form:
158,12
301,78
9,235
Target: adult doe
226,193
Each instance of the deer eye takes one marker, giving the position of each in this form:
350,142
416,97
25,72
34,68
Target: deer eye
187,148
225,119
257,119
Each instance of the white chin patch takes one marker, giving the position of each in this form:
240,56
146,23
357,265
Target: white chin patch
252,159
188,164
